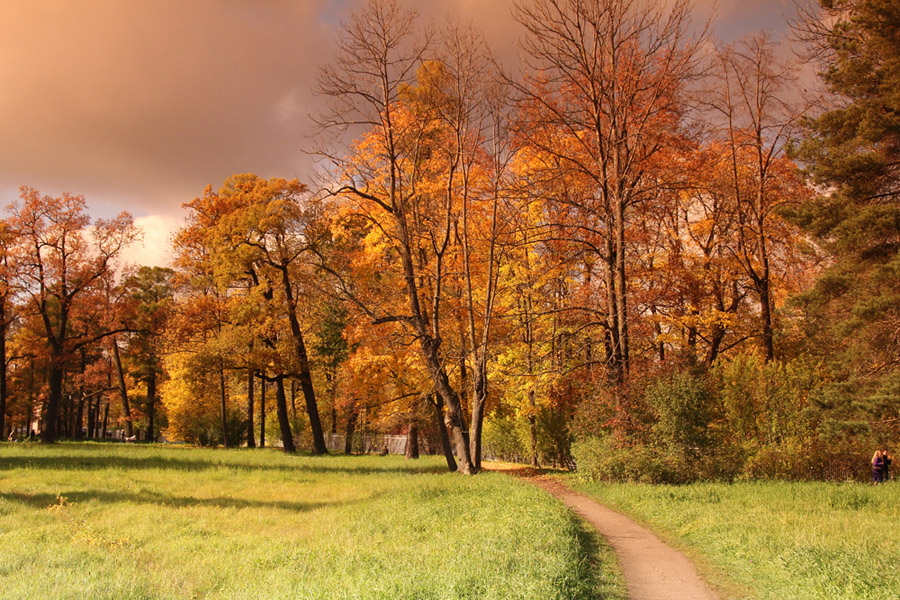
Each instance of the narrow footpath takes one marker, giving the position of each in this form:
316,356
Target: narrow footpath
652,570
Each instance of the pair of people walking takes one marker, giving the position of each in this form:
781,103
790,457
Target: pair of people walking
881,466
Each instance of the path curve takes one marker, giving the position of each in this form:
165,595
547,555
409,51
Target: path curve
652,570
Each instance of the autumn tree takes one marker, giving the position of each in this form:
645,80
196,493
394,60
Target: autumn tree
256,235
757,123
59,256
377,60
604,94
7,313
150,292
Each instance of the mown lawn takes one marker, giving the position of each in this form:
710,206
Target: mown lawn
113,521
776,540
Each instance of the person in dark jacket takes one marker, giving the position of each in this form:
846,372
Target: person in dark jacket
877,468
886,468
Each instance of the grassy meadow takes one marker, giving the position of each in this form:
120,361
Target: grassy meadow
776,540
118,522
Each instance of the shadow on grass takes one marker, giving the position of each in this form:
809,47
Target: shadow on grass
45,500
599,573
104,461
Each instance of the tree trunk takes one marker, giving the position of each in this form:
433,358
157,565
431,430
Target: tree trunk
54,393
284,422
306,385
151,405
532,426
251,439
479,398
293,399
105,419
79,419
222,403
3,329
262,412
351,427
123,392
621,291
453,417
765,305
412,437
613,345
445,436
91,417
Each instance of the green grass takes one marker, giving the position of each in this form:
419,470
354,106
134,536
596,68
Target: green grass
776,540
114,521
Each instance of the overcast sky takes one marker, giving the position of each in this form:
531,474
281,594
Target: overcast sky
140,104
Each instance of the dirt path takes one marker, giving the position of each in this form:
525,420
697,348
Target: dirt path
652,570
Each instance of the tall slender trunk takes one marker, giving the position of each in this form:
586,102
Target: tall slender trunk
3,330
332,393
284,422
765,305
222,403
262,411
763,283
613,342
79,419
305,376
79,416
351,427
251,439
151,405
621,290
91,417
105,419
123,391
412,434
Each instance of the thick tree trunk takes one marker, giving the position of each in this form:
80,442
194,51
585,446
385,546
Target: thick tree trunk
479,398
251,437
453,416
284,422
54,393
445,436
123,392
412,437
